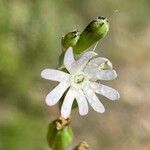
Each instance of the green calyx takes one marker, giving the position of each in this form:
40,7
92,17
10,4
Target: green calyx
63,138
60,134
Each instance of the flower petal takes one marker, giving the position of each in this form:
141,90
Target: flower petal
55,75
94,101
82,102
85,58
53,97
106,74
69,58
67,103
96,62
96,74
80,64
106,91
100,68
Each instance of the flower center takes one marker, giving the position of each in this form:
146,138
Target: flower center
79,78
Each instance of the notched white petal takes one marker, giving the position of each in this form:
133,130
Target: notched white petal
106,91
54,96
82,102
54,75
67,103
106,74
69,58
96,74
86,57
100,68
94,101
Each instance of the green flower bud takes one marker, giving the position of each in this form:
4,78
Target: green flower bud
70,39
60,134
96,30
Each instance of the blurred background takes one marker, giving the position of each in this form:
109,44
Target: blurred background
30,34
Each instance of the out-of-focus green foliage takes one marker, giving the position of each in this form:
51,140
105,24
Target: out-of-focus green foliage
30,40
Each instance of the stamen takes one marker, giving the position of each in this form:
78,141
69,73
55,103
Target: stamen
79,78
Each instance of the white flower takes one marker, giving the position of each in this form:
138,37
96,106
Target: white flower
81,82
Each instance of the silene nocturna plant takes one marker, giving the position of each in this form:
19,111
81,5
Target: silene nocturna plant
79,74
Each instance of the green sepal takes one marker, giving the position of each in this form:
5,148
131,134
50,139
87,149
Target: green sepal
63,138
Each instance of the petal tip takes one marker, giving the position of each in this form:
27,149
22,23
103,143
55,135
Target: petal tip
102,110
117,96
83,113
44,73
48,101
